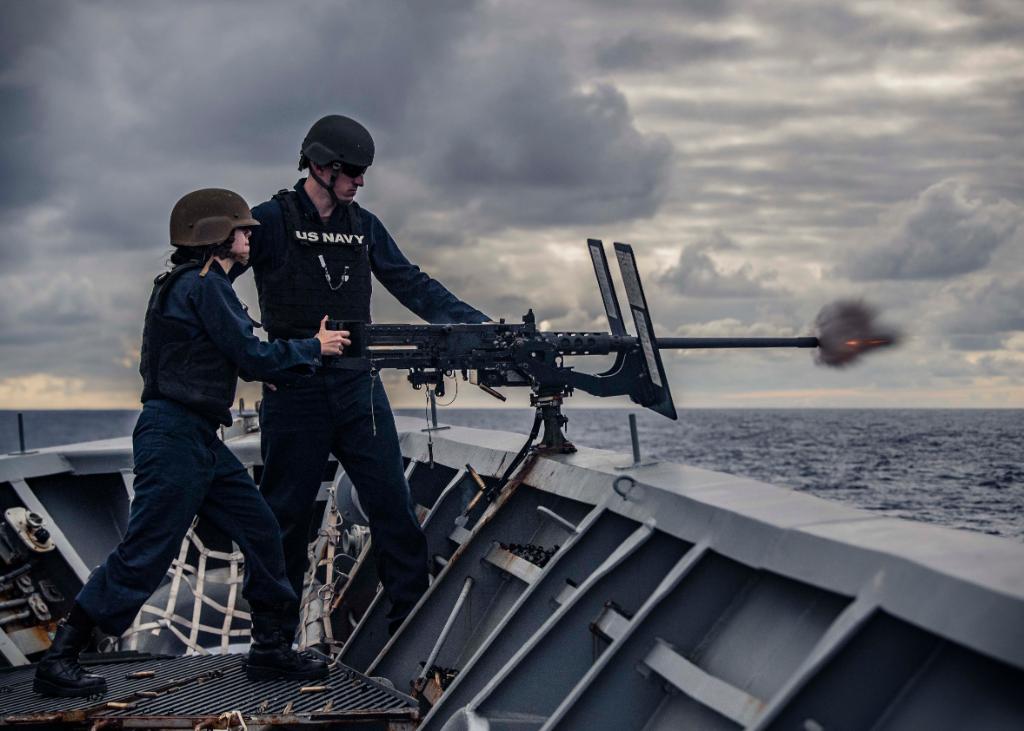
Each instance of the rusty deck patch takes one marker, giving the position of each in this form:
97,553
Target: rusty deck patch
208,691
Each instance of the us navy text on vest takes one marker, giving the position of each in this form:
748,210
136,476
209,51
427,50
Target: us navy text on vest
327,237
295,294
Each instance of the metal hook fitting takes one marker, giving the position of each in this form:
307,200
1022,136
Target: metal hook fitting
621,491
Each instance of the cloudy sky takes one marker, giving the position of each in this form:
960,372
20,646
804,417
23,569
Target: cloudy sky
764,158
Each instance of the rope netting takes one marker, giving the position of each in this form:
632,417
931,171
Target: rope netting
199,574
198,582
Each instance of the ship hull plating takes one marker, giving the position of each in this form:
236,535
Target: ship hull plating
584,595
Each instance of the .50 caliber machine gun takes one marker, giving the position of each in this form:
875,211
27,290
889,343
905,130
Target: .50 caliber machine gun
494,355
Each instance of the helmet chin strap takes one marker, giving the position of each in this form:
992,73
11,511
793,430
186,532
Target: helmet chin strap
210,258
328,187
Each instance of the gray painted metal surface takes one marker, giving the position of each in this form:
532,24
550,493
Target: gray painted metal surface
683,599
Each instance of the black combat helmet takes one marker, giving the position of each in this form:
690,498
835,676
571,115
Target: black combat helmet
208,216
335,138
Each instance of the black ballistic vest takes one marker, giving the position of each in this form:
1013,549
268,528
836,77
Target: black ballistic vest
179,366
326,271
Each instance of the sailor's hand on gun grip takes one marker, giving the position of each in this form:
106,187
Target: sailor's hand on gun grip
332,342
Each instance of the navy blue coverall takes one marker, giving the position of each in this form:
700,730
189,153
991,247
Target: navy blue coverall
347,414
183,469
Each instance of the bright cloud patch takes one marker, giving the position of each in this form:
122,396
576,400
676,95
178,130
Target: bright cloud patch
697,274
946,232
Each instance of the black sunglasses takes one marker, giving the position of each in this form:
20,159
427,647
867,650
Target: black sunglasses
352,171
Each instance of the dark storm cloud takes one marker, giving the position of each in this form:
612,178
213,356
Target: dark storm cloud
67,323
995,20
17,153
23,101
644,50
159,94
849,30
533,149
693,9
113,111
875,152
287,64
735,113
947,231
507,132
973,342
840,113
225,82
990,306
697,275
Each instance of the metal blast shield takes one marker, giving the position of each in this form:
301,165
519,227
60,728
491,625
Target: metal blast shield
654,369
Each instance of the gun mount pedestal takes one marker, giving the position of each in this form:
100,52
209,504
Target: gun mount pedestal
549,407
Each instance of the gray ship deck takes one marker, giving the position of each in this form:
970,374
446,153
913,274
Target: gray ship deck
208,691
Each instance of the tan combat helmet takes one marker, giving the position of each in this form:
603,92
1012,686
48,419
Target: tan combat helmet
208,216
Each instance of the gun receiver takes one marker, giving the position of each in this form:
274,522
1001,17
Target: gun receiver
503,354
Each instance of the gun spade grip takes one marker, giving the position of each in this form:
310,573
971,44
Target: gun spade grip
356,333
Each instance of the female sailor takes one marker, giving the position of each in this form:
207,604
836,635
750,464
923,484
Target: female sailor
197,340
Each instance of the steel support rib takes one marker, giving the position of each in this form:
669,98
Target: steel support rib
11,651
636,539
588,521
449,492
665,587
842,630
467,585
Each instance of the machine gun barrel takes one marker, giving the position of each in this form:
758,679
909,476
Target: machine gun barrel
455,346
595,343
695,343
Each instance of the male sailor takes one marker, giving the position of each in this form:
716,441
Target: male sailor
196,341
314,253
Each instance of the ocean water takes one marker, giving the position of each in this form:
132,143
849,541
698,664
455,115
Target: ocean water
960,468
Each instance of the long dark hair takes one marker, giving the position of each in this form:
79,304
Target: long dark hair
200,254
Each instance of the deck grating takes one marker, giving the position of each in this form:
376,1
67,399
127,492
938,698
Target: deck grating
197,688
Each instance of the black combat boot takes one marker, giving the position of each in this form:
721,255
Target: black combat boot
271,656
59,674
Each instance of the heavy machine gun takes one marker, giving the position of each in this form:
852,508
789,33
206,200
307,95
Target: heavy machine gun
495,355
